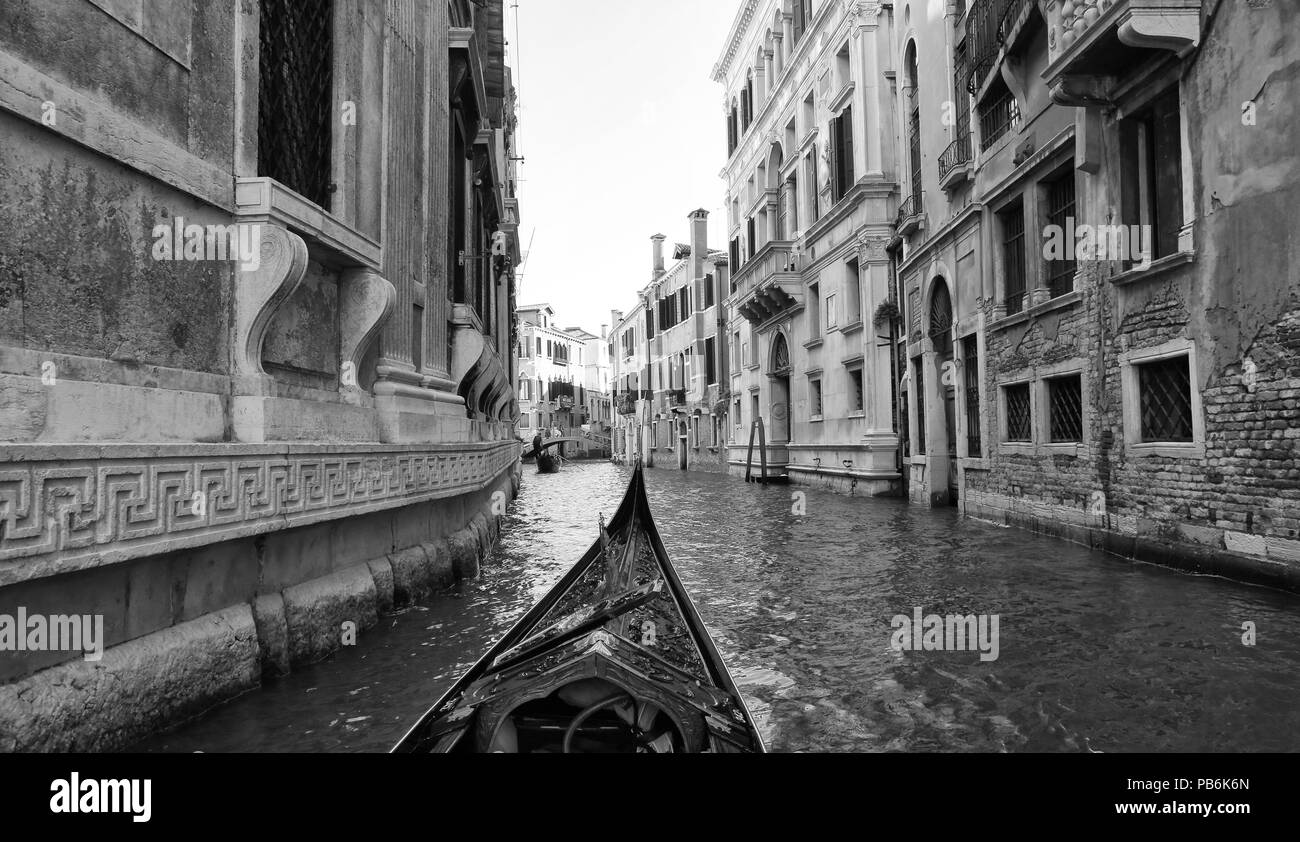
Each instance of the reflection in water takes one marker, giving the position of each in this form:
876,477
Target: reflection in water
1096,654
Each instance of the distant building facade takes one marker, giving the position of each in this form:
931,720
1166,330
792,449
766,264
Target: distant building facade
668,359
563,377
811,185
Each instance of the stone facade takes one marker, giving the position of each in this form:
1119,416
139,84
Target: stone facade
1145,406
243,435
810,185
669,357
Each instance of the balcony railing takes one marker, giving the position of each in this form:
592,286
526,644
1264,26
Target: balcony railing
909,214
675,398
625,403
956,155
775,256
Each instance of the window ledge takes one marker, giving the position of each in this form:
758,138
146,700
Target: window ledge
1062,448
852,327
1167,450
1058,303
813,343
974,463
1156,269
817,419
858,413
1021,448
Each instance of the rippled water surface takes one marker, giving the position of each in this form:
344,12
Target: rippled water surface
1095,653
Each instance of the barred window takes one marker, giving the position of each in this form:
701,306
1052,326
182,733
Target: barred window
1018,416
294,129
815,398
1065,408
1060,208
971,369
855,390
1165,395
1013,257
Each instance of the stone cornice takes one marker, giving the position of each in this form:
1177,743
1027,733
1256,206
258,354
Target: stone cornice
738,29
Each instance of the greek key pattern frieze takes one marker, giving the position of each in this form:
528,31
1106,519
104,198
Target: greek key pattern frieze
62,506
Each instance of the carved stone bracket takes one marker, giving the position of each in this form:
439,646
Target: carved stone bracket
366,301
258,294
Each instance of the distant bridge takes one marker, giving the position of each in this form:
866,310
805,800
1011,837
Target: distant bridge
589,441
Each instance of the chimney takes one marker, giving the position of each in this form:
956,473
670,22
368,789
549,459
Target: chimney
604,331
658,240
698,250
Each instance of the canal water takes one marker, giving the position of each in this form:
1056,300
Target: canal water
1094,653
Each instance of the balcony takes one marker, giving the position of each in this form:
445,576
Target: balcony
769,284
674,398
1093,44
955,163
988,27
625,403
910,215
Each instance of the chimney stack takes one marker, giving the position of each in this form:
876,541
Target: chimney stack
699,241
658,241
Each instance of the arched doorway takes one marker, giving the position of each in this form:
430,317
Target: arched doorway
941,340
779,377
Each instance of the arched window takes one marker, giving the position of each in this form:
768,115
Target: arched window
910,90
780,355
941,319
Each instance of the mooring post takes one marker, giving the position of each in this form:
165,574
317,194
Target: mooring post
762,448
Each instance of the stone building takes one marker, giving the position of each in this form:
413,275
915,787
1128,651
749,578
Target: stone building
668,359
811,180
256,309
563,376
1098,273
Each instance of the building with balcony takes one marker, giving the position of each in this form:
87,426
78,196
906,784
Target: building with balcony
563,375
669,357
1099,339
812,195
256,308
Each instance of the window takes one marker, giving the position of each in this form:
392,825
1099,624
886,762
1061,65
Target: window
1165,397
710,361
853,293
802,18
295,102
708,291
1019,427
550,352
919,383
749,229
684,306
814,313
842,153
999,113
810,179
809,112
539,346
831,318
735,353
843,71
815,398
1060,210
971,369
753,400
1065,409
856,397
1151,174
1013,257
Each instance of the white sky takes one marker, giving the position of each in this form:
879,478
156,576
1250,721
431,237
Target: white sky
624,135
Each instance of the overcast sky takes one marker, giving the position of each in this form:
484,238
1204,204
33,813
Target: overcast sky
624,135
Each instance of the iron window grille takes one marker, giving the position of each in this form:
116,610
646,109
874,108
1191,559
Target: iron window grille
971,372
999,115
1060,208
1013,252
1165,395
1065,409
1019,414
294,129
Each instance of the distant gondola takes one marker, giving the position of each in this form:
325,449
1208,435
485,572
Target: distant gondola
614,659
547,463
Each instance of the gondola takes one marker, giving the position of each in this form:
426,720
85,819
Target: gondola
547,463
615,659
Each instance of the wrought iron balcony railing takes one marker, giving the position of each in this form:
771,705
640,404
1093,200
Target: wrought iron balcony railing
957,154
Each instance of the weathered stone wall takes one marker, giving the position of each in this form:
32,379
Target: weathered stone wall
1236,509
188,630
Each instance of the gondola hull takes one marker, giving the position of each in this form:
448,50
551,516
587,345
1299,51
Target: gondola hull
614,658
547,463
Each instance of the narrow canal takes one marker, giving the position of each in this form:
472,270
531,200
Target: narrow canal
1095,653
